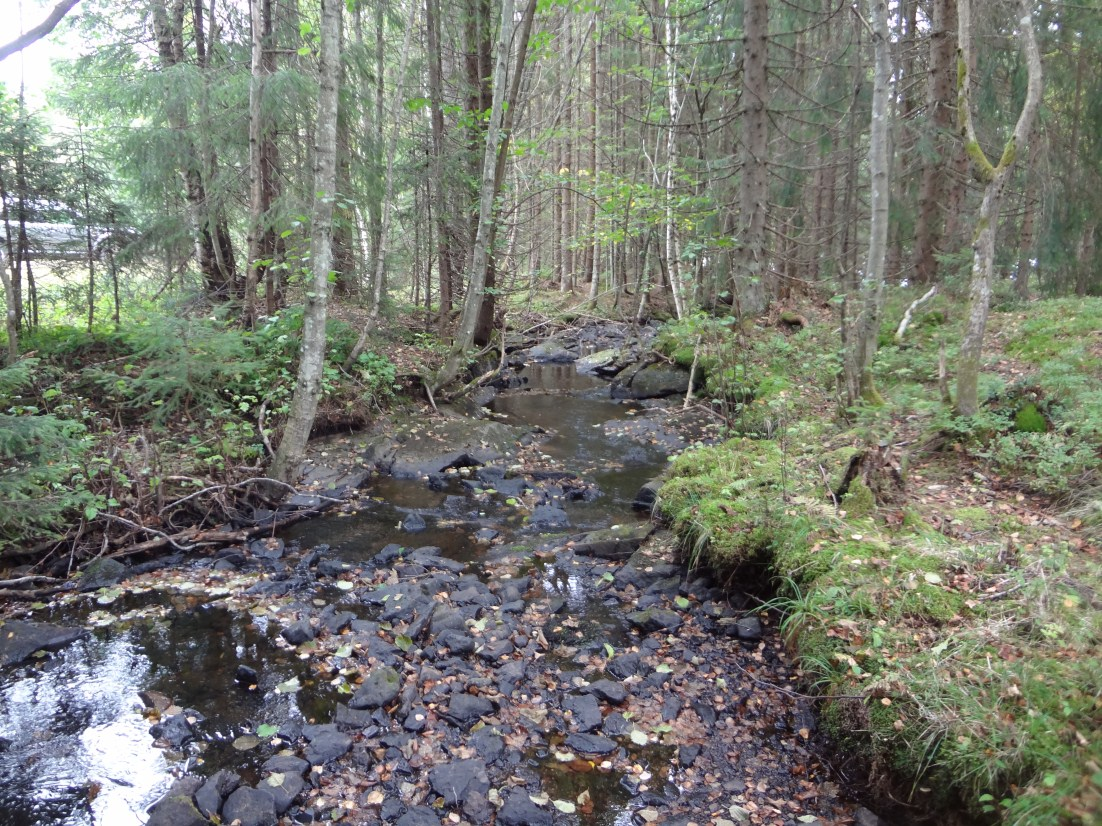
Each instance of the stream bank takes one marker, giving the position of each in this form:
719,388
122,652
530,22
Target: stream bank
496,635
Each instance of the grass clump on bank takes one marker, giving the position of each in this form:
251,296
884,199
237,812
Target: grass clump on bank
957,626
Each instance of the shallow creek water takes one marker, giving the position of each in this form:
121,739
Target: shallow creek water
79,751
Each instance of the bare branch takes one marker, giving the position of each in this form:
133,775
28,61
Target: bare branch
38,32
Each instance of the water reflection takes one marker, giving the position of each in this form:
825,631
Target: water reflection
80,750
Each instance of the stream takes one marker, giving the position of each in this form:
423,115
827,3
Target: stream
547,672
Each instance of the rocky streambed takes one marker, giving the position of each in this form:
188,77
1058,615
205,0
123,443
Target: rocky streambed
487,632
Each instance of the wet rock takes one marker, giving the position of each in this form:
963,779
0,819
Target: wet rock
210,795
598,363
671,707
332,568
865,817
608,691
486,535
519,810
641,571
174,730
624,665
19,639
488,745
686,755
416,719
334,621
652,382
286,763
464,710
416,816
457,642
590,743
647,496
351,718
379,688
585,713
271,548
615,543
548,516
654,619
616,725
551,352
250,807
458,780
176,811
298,632
327,746
495,650
415,451
102,573
749,629
509,676
283,789
414,523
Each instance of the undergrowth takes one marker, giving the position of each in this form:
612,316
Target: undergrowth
957,631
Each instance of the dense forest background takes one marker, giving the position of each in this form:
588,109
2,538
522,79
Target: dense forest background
183,205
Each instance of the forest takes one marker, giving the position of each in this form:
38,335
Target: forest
861,237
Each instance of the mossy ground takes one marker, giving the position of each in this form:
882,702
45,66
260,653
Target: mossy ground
966,615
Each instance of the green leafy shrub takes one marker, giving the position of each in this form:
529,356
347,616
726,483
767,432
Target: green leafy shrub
38,455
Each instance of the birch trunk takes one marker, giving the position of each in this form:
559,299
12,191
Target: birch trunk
861,337
994,178
304,404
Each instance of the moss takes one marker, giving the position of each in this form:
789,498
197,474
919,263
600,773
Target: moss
929,602
1030,420
859,500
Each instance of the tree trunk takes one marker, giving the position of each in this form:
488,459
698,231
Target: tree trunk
379,275
446,248
673,104
476,277
304,403
750,270
994,178
861,338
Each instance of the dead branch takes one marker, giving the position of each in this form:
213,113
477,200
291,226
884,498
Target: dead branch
909,314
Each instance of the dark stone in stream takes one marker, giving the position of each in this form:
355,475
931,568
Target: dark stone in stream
464,710
686,755
667,587
457,642
486,535
671,707
283,789
173,730
616,725
271,548
285,763
548,516
705,712
458,780
19,639
334,621
624,665
414,523
250,807
357,718
647,496
177,808
590,743
654,619
380,688
641,572
615,543
519,810
332,568
585,713
509,676
551,352
496,649
749,629
414,816
608,691
219,785
273,588
298,632
487,745
102,573
172,561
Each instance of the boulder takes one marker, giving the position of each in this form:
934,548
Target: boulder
652,382
379,688
19,639
102,573
247,806
616,543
